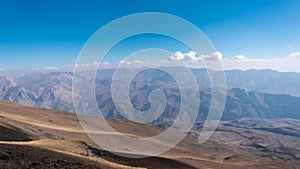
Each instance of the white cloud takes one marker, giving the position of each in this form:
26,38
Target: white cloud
105,63
68,66
192,56
295,55
75,65
213,56
137,62
82,65
134,62
2,70
289,63
124,62
179,56
92,65
46,68
239,57
50,68
102,63
285,64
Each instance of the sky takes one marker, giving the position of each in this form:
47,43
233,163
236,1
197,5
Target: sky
50,34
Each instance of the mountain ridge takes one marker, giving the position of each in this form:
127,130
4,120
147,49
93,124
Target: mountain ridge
53,90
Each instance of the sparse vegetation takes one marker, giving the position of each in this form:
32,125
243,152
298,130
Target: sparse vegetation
57,141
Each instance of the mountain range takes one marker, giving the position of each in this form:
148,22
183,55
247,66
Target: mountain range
252,93
259,127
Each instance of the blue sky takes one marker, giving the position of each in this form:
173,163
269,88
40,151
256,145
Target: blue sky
51,33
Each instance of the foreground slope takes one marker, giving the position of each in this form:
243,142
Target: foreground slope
37,138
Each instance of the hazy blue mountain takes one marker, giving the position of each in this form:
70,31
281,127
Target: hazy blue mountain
45,90
253,93
265,81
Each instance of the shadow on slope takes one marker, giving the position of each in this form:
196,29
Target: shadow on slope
150,162
11,133
27,156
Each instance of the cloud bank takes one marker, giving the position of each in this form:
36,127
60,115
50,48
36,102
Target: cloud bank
295,55
289,63
215,56
239,57
193,56
179,56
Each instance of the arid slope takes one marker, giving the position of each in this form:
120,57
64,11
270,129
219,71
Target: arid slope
41,138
